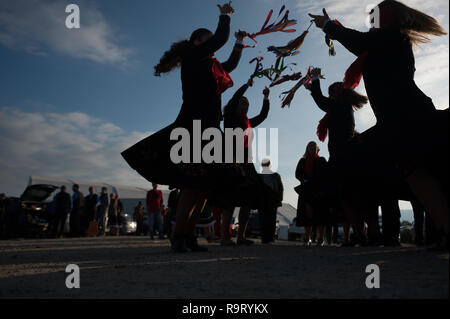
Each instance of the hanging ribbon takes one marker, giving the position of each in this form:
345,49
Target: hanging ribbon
329,42
293,77
280,26
292,47
280,67
289,95
259,69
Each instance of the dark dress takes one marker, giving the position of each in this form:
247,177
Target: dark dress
201,101
409,130
341,121
311,191
341,129
250,192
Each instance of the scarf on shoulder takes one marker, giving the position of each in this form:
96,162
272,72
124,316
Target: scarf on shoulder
309,164
247,127
223,79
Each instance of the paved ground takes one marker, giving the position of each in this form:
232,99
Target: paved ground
135,267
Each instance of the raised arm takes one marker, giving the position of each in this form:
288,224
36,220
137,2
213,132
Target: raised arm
257,120
355,41
261,117
322,102
236,54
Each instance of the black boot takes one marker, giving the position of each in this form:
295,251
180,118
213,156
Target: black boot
179,244
192,244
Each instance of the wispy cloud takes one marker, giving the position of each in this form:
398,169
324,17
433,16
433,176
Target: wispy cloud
71,145
38,27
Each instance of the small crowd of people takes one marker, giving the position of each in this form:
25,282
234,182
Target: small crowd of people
321,216
81,210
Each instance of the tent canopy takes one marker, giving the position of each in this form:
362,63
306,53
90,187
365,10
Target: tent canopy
285,214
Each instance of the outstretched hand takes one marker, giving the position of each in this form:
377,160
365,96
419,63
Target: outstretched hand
240,35
320,20
226,8
308,86
250,82
266,92
317,72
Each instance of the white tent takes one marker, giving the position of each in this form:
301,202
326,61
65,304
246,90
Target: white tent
285,214
129,195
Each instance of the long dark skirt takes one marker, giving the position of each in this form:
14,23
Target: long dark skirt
378,160
226,185
312,194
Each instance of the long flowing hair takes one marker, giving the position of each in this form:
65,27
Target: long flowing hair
417,25
347,96
307,147
174,56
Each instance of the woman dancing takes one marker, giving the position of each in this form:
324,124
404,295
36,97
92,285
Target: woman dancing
339,125
249,193
404,113
204,79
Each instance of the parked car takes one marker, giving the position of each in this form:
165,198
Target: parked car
127,224
294,231
34,212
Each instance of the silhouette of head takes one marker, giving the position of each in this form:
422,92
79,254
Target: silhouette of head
243,105
199,36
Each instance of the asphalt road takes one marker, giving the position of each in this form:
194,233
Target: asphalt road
135,267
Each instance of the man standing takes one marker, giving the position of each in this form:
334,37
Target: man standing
90,209
77,211
102,210
139,218
63,205
154,202
4,205
274,188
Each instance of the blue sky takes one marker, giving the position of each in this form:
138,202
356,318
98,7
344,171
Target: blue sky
72,100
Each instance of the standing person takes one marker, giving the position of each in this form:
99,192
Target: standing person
90,209
217,214
251,196
423,225
339,125
139,218
403,112
113,214
77,211
172,203
204,79
311,209
154,204
268,216
63,206
4,206
102,210
390,219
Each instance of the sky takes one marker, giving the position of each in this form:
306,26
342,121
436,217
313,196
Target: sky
71,100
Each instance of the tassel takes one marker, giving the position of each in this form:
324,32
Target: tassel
322,128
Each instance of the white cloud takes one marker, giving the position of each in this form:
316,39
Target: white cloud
71,145
38,27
